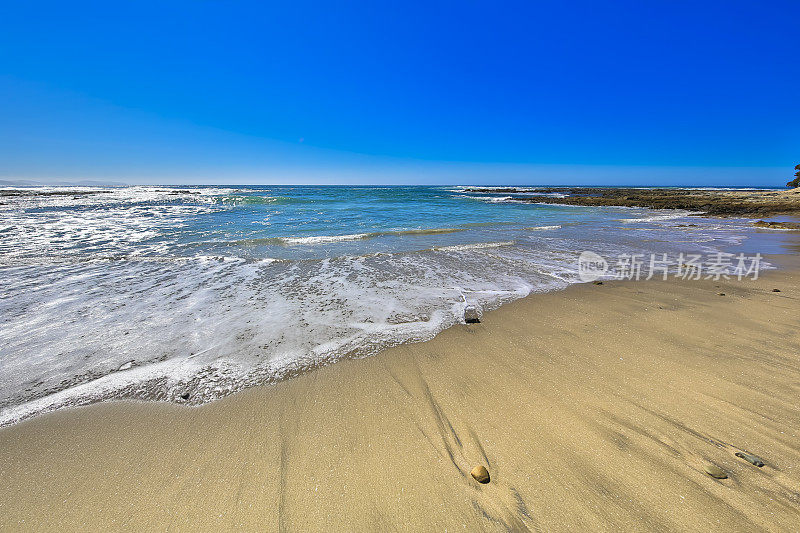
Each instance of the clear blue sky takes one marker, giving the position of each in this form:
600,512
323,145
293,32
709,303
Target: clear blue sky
646,92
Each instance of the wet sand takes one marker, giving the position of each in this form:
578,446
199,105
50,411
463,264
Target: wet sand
594,408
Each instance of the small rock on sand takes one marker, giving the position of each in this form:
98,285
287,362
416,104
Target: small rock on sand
472,315
480,474
715,472
598,282
750,458
720,294
776,290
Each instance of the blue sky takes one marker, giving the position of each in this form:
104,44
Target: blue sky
629,92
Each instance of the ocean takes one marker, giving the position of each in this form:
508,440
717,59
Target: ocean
188,294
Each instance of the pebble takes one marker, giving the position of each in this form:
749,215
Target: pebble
472,314
715,472
597,282
480,474
750,458
720,294
185,395
776,290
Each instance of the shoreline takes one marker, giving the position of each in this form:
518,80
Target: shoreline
172,395
595,407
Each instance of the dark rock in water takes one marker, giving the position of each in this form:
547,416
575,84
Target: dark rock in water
480,474
776,290
472,315
715,472
598,282
776,225
750,458
185,395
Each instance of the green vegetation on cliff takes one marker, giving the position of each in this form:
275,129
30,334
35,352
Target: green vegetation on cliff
796,181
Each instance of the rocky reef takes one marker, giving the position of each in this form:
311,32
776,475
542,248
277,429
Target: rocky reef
714,202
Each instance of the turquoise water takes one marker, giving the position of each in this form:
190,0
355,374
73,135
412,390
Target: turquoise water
163,292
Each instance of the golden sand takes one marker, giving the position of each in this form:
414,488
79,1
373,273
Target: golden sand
594,408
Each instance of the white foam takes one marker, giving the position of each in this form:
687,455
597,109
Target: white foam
325,239
150,330
661,216
494,199
474,246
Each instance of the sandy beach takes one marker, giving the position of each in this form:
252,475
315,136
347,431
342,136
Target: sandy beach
424,267
594,408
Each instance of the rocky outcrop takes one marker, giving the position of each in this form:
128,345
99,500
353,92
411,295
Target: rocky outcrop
710,202
776,225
